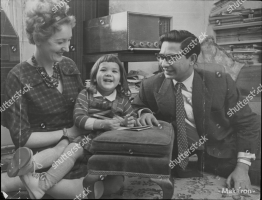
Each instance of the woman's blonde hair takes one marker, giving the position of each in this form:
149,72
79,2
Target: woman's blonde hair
45,17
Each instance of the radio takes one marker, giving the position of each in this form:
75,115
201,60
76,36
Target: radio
124,32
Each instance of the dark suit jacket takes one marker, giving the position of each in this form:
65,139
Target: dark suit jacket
214,92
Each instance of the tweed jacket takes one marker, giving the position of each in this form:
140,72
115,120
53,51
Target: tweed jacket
213,94
40,109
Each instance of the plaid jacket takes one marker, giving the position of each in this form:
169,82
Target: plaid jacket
39,108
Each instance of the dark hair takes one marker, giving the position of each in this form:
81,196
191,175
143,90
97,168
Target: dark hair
185,38
123,89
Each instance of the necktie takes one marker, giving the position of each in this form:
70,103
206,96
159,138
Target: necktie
181,126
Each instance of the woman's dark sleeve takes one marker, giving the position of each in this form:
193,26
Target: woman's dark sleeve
15,114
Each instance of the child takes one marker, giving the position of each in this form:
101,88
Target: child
101,107
105,98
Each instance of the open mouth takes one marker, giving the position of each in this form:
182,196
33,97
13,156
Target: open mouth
108,80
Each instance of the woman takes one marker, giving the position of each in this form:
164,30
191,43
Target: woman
39,118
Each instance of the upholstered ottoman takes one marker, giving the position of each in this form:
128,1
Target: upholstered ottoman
144,153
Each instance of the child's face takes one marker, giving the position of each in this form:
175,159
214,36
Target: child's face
107,77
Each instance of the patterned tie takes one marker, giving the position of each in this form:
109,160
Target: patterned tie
181,127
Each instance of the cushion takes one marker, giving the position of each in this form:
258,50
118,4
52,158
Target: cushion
151,142
151,167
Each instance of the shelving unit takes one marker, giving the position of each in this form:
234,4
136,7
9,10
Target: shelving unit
243,41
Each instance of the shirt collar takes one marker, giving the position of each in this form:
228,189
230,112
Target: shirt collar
188,83
110,97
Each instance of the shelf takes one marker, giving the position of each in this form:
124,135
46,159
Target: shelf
240,42
125,57
254,65
237,25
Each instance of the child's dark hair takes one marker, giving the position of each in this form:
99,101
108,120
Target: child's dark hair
122,89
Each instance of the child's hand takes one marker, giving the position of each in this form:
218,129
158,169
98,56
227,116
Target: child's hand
129,121
111,124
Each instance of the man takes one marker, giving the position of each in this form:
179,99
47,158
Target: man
196,102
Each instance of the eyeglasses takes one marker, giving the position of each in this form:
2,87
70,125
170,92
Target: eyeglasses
170,59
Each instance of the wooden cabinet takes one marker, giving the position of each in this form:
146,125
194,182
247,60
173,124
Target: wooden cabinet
10,54
83,10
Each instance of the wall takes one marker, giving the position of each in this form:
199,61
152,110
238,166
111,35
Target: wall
14,10
187,15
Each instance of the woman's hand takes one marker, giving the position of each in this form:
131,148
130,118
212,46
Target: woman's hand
75,131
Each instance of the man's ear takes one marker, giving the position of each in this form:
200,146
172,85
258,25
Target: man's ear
193,59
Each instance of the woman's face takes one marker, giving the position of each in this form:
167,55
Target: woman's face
107,77
53,48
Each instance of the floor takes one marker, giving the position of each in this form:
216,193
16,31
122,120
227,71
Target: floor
207,187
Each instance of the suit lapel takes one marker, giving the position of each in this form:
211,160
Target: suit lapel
201,104
165,97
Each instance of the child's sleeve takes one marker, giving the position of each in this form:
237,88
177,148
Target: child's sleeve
81,116
128,109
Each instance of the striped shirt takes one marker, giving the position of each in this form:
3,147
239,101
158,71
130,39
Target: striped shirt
88,104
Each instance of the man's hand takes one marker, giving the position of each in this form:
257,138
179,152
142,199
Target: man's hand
239,178
147,119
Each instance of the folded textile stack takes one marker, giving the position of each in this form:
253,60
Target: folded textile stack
249,55
223,8
233,12
239,34
238,29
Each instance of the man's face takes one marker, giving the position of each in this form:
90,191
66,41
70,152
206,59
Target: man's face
181,69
